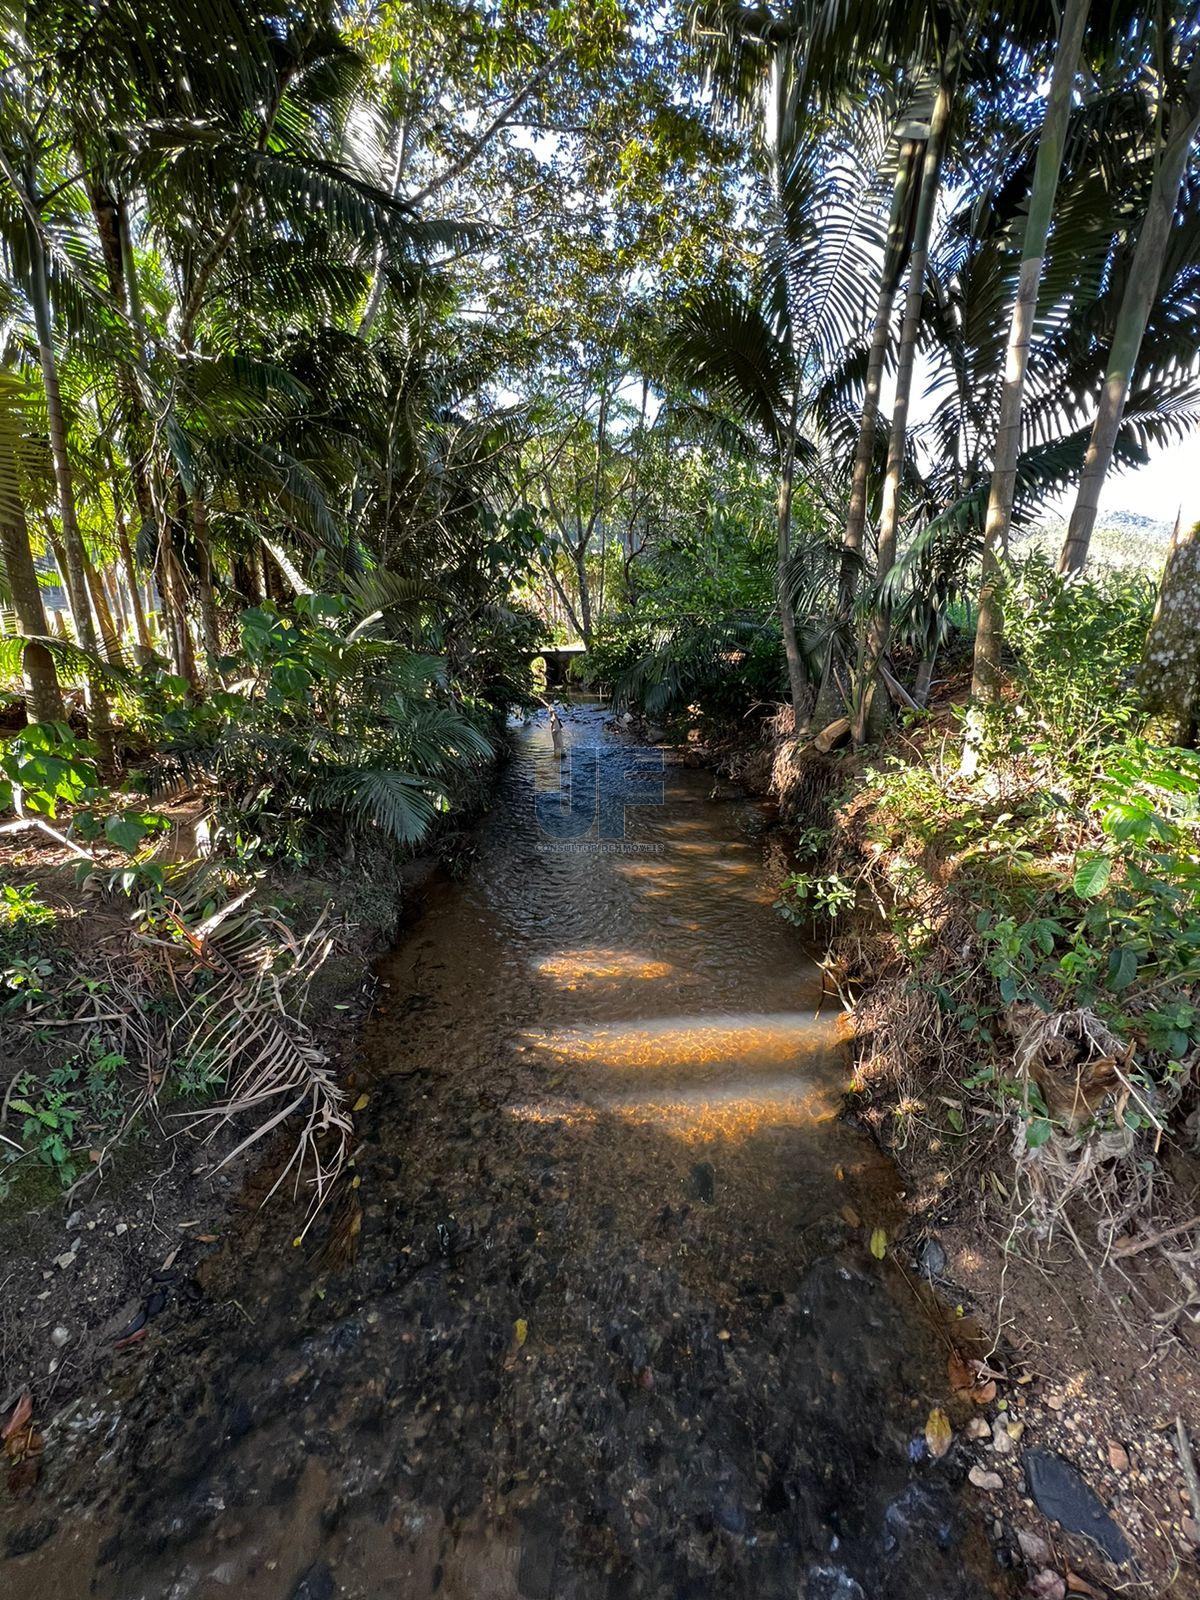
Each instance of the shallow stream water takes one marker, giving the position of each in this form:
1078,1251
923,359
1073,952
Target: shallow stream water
597,1318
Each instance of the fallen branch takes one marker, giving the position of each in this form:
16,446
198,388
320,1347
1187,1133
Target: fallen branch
1133,1247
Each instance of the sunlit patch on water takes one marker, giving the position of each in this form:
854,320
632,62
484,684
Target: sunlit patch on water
747,1039
577,966
731,1111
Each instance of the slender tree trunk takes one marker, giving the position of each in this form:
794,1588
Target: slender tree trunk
111,579
99,716
797,677
889,516
172,590
585,597
43,700
140,625
112,223
1170,677
989,629
900,229
1141,289
204,583
109,637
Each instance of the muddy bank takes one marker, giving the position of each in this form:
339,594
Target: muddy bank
95,1256
595,1313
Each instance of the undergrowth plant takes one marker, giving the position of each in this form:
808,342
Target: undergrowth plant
1063,884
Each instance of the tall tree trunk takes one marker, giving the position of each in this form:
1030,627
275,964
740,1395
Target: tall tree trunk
1145,273
1170,677
924,679
99,716
989,628
900,235
141,628
585,597
889,515
112,225
43,700
109,637
797,677
204,583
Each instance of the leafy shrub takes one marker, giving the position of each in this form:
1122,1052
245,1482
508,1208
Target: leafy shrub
1078,642
329,729
80,1095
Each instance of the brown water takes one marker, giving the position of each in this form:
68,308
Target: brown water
598,1319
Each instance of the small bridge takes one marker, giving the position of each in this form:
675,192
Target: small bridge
558,659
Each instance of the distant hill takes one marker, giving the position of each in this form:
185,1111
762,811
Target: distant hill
1124,539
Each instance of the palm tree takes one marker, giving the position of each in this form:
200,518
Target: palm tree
774,352
42,695
986,679
927,199
1180,124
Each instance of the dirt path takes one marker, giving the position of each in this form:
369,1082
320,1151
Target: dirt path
597,1318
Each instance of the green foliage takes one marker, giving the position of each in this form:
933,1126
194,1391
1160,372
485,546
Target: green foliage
44,766
1078,643
80,1096
330,729
804,896
21,910
1081,878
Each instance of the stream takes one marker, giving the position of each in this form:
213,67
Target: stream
594,1316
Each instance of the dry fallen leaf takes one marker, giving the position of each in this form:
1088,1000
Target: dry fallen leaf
19,1419
521,1331
1078,1585
938,1433
879,1244
363,1100
961,1372
851,1216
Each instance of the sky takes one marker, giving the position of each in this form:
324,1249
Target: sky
1170,479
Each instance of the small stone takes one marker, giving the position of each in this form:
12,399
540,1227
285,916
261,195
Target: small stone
316,1584
121,1227
75,1220
703,1182
1001,1442
1033,1547
978,1428
1118,1456
59,1337
1046,1585
1191,1530
982,1479
67,1259
1065,1497
1055,1402
931,1258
